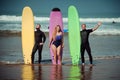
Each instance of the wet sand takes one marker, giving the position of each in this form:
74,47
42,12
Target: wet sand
107,69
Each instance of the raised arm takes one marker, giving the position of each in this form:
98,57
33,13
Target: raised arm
97,26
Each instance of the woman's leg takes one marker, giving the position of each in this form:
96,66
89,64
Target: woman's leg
59,54
54,50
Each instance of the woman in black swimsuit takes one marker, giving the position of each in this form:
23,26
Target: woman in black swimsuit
56,42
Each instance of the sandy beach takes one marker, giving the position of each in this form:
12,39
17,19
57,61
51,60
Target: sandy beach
107,69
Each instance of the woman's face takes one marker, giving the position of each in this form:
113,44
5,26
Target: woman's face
58,28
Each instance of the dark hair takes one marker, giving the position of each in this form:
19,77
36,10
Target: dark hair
84,24
39,25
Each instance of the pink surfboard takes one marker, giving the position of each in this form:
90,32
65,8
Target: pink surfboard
55,19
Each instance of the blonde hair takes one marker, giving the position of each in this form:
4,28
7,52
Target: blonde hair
55,31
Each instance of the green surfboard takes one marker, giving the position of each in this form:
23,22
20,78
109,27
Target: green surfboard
74,34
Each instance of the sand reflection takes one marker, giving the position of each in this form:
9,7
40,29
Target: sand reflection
56,72
86,73
27,72
32,72
75,73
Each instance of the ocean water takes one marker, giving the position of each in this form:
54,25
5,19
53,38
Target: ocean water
110,26
103,47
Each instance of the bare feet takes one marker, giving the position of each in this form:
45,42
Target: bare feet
83,64
91,65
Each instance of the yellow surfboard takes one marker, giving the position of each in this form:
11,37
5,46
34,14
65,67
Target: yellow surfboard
27,34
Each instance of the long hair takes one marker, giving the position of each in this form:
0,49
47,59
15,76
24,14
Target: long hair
55,31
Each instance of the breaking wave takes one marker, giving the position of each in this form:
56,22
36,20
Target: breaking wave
14,18
12,24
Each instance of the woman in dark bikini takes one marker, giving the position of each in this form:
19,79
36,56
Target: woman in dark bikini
56,43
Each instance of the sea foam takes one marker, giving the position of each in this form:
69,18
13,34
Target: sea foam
12,18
